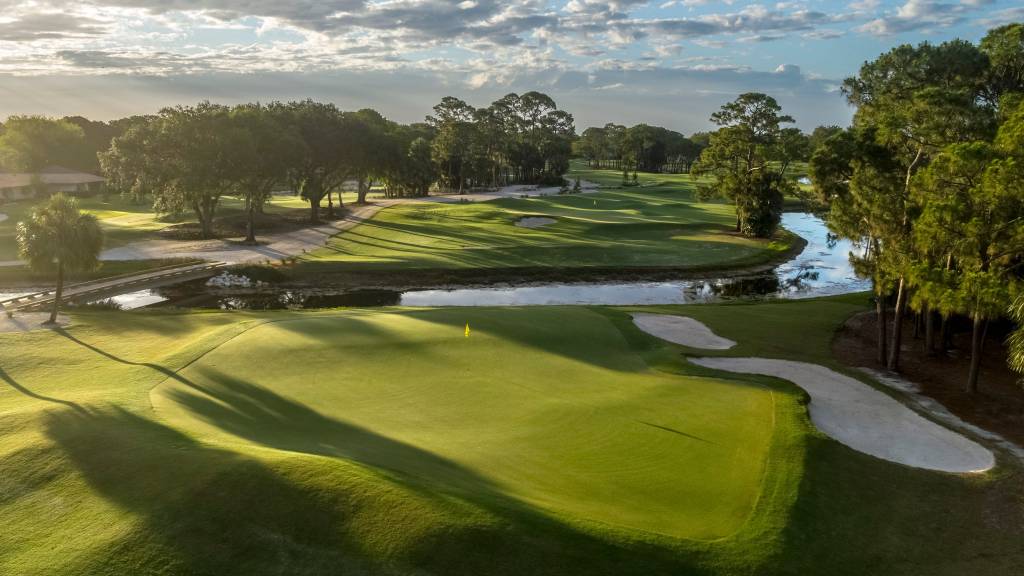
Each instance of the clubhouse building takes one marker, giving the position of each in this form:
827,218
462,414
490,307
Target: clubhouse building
49,180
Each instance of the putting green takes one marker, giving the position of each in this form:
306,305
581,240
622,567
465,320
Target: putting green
520,410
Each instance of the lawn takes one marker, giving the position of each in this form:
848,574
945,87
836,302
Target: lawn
23,276
548,441
125,221
634,227
680,183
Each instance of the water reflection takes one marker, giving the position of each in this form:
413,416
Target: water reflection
823,268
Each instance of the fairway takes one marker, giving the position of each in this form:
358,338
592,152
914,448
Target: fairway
584,431
633,228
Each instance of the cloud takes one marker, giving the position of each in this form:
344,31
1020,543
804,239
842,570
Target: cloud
49,26
922,15
753,19
1001,17
681,97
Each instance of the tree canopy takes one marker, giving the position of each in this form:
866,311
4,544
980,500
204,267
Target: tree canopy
57,237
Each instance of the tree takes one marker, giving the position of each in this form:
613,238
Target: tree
820,134
1016,340
453,121
188,157
31,143
96,139
274,146
741,156
57,237
1004,47
592,146
854,177
973,199
325,162
368,134
914,100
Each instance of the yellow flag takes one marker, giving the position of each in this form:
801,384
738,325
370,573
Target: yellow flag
467,329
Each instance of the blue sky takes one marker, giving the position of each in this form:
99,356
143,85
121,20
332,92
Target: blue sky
666,62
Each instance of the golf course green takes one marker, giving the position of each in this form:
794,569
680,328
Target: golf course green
551,440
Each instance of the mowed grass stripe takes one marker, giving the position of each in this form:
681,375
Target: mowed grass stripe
523,412
629,228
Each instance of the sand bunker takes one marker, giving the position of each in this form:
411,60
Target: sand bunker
3,216
681,330
867,420
534,221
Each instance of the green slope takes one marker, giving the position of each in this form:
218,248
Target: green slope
386,442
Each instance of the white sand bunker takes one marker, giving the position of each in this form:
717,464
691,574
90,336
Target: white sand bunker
868,420
681,330
3,216
534,221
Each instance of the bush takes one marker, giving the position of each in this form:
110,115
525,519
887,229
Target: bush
260,273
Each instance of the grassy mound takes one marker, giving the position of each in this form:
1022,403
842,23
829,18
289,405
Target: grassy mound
521,411
551,441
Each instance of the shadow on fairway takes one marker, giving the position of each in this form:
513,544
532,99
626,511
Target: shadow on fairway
264,417
6,378
204,510
857,514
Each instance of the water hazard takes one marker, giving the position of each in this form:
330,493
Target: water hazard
821,269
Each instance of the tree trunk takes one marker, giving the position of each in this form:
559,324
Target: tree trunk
897,327
330,205
977,344
205,229
929,331
314,211
946,335
58,293
363,189
250,227
882,339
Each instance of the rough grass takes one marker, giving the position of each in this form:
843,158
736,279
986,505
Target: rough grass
385,442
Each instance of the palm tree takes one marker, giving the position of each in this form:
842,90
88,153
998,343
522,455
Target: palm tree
58,237
1017,338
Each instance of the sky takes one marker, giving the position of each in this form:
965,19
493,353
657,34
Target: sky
664,62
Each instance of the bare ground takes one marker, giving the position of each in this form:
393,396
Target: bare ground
998,406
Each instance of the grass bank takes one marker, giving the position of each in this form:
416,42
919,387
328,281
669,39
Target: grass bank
549,441
617,232
22,276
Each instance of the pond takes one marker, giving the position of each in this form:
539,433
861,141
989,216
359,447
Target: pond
821,269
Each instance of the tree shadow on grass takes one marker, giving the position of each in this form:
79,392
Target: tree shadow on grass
202,510
263,417
857,514
7,379
206,510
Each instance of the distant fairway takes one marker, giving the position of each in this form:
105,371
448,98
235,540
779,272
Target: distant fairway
579,429
634,227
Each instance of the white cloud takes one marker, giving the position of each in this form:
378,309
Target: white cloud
922,15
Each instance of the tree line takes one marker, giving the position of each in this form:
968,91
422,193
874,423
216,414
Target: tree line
929,180
642,148
186,158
